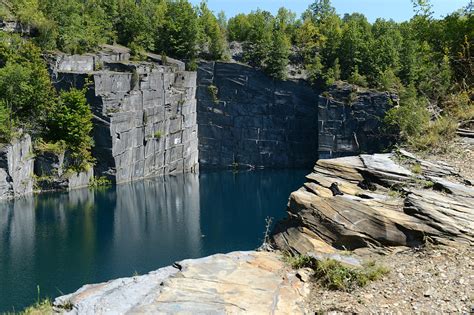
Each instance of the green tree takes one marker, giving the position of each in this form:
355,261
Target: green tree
179,32
277,60
71,121
238,28
212,36
259,41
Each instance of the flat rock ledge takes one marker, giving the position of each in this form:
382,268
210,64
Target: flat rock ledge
393,199
238,282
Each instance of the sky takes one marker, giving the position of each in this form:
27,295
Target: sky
398,10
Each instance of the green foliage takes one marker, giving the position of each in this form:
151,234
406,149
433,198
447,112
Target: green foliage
71,122
212,37
6,123
213,91
357,78
238,28
157,135
277,59
179,32
299,261
335,276
100,182
40,146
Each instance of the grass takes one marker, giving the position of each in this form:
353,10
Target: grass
299,261
334,275
416,168
39,308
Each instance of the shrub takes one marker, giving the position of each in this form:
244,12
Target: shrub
357,78
334,275
213,90
57,147
299,261
100,181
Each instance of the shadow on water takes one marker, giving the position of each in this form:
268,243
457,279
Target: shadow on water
61,241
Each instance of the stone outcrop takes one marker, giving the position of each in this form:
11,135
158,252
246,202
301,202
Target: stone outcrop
16,168
144,112
350,121
378,200
239,282
53,172
246,119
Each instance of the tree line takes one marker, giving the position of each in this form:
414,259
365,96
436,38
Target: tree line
427,61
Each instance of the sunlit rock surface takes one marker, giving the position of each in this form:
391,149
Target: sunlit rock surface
239,282
378,200
16,168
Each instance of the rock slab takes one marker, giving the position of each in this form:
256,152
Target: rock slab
239,282
381,200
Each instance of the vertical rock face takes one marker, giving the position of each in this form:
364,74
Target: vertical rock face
16,168
246,119
350,121
144,113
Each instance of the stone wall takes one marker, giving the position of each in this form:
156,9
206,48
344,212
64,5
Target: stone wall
16,168
144,113
246,119
350,121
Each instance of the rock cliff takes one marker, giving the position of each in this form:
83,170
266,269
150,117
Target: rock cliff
350,121
144,112
378,200
16,168
246,119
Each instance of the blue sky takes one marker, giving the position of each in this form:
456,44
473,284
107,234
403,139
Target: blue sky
399,10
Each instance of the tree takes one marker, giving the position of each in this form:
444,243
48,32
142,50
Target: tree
212,36
238,28
71,121
179,32
277,60
322,9
259,39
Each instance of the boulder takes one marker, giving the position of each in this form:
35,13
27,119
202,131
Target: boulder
382,202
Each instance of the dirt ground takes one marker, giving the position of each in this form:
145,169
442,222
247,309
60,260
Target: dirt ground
431,280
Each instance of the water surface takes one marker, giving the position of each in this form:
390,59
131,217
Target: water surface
60,241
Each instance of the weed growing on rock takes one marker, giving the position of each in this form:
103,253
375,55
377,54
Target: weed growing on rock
213,90
100,182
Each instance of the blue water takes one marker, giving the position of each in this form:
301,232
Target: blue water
60,241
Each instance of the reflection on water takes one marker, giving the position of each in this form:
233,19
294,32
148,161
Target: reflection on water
61,241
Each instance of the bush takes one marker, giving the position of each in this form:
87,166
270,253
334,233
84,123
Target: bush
299,261
213,90
158,135
71,121
334,275
6,123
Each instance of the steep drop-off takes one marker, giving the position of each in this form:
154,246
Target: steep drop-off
246,119
144,112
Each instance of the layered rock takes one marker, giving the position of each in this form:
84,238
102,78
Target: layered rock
240,282
350,121
246,119
16,168
378,200
144,112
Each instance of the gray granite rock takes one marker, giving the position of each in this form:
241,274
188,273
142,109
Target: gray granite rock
253,121
144,112
350,121
16,168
